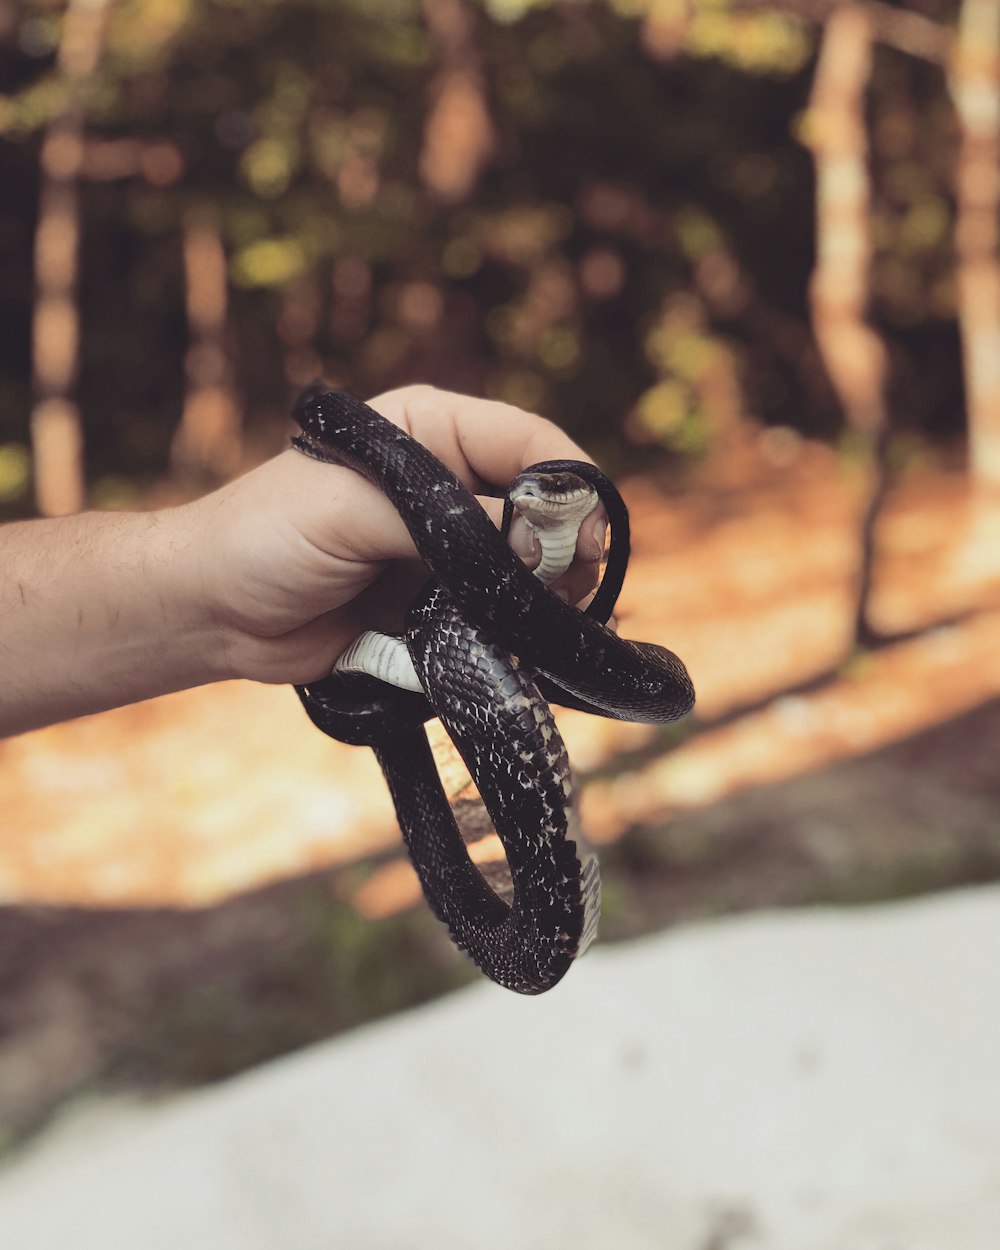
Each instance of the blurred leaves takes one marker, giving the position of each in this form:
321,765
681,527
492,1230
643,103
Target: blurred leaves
15,468
140,31
269,262
29,110
629,251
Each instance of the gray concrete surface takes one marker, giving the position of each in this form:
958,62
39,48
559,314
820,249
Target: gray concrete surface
822,1080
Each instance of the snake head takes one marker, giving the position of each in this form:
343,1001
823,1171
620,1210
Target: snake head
315,390
312,419
551,500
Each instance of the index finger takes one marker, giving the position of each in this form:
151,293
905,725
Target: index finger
482,441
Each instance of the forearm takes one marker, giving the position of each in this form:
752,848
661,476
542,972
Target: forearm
269,578
99,610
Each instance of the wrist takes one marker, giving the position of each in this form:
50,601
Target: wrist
181,611
203,553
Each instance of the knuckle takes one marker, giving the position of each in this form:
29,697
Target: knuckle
407,402
419,397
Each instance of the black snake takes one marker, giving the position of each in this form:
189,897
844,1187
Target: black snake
481,607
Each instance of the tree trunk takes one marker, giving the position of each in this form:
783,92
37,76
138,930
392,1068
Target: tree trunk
56,431
208,439
975,88
853,354
458,134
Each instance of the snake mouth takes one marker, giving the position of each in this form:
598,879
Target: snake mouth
552,499
560,487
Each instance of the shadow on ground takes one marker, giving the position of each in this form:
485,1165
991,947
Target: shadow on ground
160,999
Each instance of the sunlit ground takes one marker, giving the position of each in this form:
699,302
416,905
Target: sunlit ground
746,574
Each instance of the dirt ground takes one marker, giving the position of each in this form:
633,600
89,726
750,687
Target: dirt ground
203,881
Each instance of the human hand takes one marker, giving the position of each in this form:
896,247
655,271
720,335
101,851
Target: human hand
298,557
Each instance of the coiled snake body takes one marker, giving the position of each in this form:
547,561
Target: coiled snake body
481,607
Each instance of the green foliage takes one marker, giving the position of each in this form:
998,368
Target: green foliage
15,467
632,256
268,262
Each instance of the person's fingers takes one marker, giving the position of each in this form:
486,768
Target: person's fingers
593,536
303,654
480,440
578,582
582,576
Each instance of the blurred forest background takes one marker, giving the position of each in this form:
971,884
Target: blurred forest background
746,251
649,219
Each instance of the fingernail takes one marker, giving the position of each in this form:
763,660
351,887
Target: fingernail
600,536
523,540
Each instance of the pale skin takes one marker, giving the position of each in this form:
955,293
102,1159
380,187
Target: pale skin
269,578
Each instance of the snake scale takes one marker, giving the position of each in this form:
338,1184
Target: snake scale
480,608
